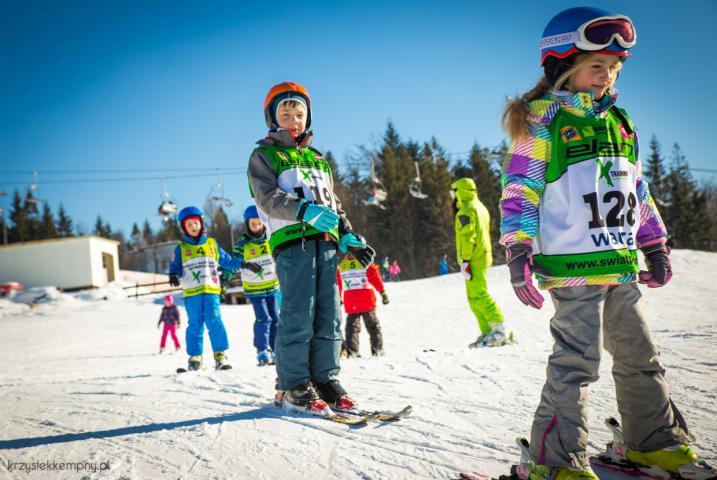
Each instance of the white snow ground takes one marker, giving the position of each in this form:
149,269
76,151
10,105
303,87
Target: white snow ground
81,381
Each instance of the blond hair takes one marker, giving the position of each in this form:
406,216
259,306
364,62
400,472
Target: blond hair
515,116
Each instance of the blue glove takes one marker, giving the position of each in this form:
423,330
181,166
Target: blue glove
358,248
320,217
351,240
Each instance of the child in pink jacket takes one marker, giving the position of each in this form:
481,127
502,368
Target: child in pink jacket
170,318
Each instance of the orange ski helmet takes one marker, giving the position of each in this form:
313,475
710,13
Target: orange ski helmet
285,91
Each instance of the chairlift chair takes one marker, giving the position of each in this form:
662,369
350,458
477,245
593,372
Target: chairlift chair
378,192
414,186
31,196
168,208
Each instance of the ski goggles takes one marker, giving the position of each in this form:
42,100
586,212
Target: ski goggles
600,32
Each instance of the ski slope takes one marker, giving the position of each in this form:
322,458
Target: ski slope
81,380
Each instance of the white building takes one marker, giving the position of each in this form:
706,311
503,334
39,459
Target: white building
66,263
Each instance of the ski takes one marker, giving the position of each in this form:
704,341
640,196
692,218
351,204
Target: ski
615,458
350,419
184,370
484,476
380,415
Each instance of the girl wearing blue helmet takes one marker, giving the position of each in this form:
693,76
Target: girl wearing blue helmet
574,211
261,285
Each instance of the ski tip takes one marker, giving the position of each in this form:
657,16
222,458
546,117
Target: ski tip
612,422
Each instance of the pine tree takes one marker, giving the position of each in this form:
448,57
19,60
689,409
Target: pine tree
135,238
20,230
170,231
64,223
687,216
48,228
147,234
32,212
219,229
655,173
99,227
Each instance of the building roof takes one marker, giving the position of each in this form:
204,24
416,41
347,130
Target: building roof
56,240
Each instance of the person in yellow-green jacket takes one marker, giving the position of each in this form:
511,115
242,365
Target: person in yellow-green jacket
260,283
475,255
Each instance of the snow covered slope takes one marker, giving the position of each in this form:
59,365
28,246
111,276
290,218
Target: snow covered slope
81,381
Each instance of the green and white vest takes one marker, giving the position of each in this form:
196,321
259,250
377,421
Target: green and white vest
200,267
589,212
353,275
306,174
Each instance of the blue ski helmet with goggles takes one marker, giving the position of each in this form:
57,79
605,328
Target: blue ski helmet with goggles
583,30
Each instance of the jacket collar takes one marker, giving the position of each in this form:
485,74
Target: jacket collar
283,138
582,104
195,241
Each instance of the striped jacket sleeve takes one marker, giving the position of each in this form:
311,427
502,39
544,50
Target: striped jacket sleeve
523,177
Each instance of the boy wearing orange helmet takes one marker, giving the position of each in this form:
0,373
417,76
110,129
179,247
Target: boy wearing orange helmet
292,185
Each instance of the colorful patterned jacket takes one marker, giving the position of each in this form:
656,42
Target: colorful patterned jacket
527,173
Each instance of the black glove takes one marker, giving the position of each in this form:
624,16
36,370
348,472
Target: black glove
174,280
254,267
658,264
364,254
384,297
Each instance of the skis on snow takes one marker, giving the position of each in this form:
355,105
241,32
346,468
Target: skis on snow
615,458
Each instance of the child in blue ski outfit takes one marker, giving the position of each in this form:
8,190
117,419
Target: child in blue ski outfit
260,283
575,209
293,187
195,266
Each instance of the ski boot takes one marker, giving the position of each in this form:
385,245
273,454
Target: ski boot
377,352
265,357
220,361
478,343
529,470
344,353
675,461
161,351
334,394
303,398
195,363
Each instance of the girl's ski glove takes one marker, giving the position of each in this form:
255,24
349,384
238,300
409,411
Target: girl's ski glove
174,280
320,217
658,265
384,298
520,263
358,248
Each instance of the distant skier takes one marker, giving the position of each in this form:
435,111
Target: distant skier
355,282
443,267
260,283
385,266
170,319
293,187
196,262
475,255
575,214
394,271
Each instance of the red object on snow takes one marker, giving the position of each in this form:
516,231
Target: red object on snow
7,288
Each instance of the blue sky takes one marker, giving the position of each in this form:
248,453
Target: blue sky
173,86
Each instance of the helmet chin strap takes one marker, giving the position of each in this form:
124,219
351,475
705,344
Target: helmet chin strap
555,67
